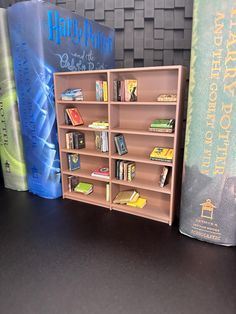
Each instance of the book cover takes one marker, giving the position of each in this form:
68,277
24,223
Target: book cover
72,182
140,203
162,154
67,119
101,172
84,187
105,91
130,88
69,140
41,36
120,144
115,91
163,123
208,201
72,94
131,171
75,116
73,161
79,140
163,176
11,146
99,90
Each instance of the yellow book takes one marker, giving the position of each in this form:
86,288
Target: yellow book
140,203
162,154
104,87
126,196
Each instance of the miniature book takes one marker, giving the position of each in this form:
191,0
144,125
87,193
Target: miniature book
130,90
75,116
163,176
126,196
164,154
73,161
120,144
84,188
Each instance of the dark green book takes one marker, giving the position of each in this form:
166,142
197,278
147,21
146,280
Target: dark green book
208,202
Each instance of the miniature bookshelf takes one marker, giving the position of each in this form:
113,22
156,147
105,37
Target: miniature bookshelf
132,119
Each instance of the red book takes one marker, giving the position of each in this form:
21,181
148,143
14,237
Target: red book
74,116
101,172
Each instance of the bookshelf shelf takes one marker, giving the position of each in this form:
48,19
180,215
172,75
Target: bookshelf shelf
145,160
97,200
86,151
144,184
84,174
132,119
140,132
80,128
80,102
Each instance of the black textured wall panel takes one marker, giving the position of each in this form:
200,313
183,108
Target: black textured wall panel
148,32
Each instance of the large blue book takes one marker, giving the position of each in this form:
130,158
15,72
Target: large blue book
47,39
208,204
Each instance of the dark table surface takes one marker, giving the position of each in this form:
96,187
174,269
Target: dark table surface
62,257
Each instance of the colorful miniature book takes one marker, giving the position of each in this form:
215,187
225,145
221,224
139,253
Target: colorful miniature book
84,188
69,140
163,176
163,123
79,140
167,98
75,116
72,94
99,90
108,192
162,154
73,161
140,203
130,88
102,172
120,144
126,196
105,91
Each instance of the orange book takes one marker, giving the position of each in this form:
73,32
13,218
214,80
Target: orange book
74,116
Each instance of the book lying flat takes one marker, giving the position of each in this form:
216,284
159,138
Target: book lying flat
162,154
126,196
140,203
163,123
83,187
102,172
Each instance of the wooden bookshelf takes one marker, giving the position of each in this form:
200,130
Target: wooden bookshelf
132,119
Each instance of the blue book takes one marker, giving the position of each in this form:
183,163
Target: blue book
73,161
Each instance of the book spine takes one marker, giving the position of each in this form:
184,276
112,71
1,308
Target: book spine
105,91
115,91
108,192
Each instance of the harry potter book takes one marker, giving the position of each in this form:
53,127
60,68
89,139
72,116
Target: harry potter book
208,202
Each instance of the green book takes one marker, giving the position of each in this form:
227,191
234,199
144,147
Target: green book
163,123
83,187
208,201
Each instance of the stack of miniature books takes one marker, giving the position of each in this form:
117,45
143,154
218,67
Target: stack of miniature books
162,125
130,198
163,154
84,188
101,141
75,140
72,94
125,170
167,98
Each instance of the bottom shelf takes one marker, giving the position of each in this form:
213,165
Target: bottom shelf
97,200
146,212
